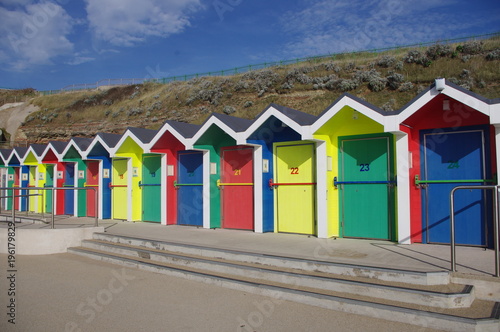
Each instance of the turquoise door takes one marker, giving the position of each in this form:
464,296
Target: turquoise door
367,198
49,182
151,188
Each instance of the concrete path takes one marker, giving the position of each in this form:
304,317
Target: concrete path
65,292
417,257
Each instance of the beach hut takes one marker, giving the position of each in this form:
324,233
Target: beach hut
60,175
127,164
179,183
453,138
357,175
7,178
228,170
76,175
284,171
21,177
37,177
98,161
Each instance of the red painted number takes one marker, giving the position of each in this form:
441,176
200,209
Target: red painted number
294,170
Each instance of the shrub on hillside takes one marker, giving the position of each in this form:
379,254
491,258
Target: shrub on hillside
438,51
493,55
394,80
417,57
406,86
347,85
386,61
377,84
229,110
134,111
331,66
471,47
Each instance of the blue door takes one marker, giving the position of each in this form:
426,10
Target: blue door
189,185
69,181
451,159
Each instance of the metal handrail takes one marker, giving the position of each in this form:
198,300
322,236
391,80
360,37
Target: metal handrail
149,184
186,184
273,184
53,189
336,182
419,182
496,226
219,184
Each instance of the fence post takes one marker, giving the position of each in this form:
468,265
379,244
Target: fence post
13,206
53,207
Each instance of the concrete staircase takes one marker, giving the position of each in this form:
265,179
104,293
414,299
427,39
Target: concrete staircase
436,300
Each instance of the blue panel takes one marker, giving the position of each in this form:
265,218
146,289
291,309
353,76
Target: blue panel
190,198
455,156
271,131
24,183
69,181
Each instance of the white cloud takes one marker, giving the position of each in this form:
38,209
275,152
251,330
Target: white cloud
78,60
325,27
34,34
128,22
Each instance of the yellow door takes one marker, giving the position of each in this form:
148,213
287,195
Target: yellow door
295,188
119,189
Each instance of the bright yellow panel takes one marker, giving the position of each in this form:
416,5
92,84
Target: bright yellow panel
119,194
295,198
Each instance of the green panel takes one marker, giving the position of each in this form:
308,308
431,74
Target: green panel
151,189
296,199
49,182
366,207
10,184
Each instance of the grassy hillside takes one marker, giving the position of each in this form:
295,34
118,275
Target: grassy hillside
388,80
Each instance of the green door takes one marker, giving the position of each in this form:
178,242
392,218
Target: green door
151,188
49,182
365,187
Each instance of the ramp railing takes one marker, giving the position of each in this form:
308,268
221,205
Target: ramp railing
496,214
52,190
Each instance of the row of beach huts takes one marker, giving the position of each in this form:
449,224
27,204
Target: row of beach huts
353,171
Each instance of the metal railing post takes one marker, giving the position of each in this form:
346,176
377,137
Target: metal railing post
96,195
53,208
13,206
452,230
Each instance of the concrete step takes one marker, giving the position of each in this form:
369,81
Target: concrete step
478,317
374,273
433,296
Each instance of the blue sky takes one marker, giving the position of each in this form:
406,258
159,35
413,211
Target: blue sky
50,44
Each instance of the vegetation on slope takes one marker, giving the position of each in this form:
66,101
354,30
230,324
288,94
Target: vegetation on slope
388,80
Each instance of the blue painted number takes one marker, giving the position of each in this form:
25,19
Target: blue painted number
364,167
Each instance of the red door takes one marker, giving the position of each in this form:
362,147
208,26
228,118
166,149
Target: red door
237,188
93,182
